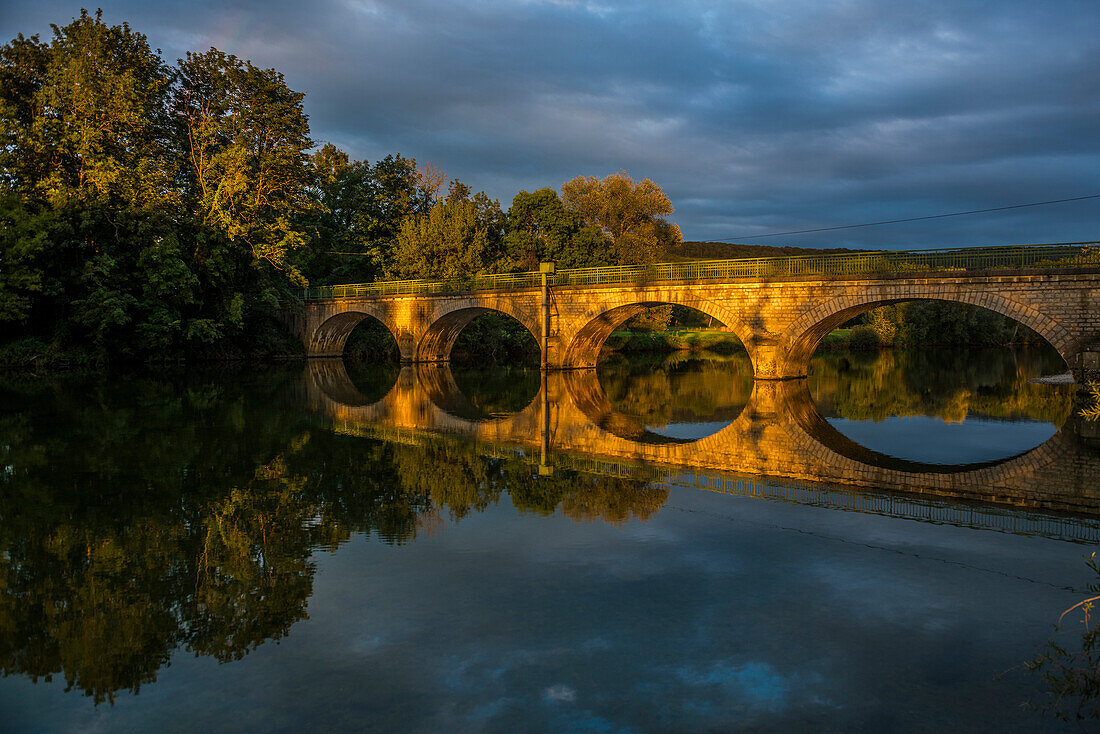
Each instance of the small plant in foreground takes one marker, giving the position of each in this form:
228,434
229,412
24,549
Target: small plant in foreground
1071,668
1092,412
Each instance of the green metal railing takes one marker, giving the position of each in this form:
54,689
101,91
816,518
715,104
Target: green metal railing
1063,255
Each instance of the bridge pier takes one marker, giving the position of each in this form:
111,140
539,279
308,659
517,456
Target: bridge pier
1086,365
771,362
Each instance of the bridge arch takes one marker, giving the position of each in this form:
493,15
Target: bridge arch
330,336
808,329
439,337
597,323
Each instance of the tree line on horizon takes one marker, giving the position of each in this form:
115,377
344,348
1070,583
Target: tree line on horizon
156,210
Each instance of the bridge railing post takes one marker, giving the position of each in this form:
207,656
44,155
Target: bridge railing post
546,270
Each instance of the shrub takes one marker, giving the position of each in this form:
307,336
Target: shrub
863,337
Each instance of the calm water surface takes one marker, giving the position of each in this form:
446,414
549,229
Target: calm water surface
362,548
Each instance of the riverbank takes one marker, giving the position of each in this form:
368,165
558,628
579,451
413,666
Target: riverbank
858,338
34,355
673,340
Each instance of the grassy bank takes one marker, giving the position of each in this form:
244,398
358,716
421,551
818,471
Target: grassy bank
673,340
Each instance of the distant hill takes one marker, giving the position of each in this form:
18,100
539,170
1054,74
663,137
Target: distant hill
726,251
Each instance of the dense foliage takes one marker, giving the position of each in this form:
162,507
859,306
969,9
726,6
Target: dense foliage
145,210
150,210
630,214
932,323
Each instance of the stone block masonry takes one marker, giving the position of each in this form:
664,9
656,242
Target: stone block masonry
779,320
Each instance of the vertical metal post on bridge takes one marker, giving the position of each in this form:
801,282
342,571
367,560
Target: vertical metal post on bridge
546,269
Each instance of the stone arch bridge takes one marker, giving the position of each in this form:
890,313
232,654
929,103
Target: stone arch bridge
779,308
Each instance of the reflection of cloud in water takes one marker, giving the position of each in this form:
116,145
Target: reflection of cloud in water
690,431
560,692
931,440
753,680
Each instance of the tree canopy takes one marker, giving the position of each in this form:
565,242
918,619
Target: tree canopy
631,215
461,235
151,210
541,227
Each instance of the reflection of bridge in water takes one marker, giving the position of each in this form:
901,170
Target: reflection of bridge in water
778,436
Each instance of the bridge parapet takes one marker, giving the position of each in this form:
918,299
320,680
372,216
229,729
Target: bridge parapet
1072,255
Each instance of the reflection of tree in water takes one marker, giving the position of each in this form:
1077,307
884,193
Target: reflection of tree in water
161,518
683,390
584,497
500,391
141,522
950,384
158,517
458,480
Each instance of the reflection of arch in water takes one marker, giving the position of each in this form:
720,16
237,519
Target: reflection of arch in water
1055,474
807,331
690,394
589,397
330,376
805,412
424,395
779,434
438,381
622,306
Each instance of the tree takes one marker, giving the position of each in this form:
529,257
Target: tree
541,228
339,222
358,212
89,117
459,237
89,168
631,215
22,75
246,141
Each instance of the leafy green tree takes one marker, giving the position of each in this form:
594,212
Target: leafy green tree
358,213
397,189
89,172
22,240
23,157
460,236
247,137
631,215
339,222
541,227
93,116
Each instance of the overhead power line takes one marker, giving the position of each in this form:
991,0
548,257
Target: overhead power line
908,219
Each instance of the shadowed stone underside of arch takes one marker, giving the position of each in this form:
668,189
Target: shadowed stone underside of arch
330,337
440,337
583,333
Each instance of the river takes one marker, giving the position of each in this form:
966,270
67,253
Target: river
659,545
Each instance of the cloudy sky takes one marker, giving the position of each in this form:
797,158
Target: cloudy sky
755,116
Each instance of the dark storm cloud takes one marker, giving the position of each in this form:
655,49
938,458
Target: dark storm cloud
754,116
